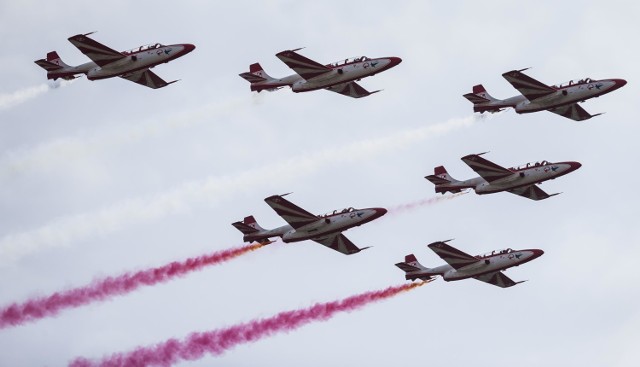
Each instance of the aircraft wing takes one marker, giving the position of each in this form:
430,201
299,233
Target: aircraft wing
532,192
291,213
147,78
96,51
529,87
485,168
340,243
306,68
351,89
572,111
498,279
454,257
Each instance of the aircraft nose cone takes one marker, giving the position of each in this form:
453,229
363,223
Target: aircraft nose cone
618,83
380,212
393,61
575,165
537,253
188,47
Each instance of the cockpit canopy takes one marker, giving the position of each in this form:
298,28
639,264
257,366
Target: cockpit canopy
495,252
529,165
574,82
350,60
143,48
343,211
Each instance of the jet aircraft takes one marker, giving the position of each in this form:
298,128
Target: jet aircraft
494,178
486,268
324,229
339,77
132,65
560,99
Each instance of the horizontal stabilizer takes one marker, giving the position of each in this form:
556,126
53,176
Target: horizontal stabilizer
437,180
248,225
482,100
407,268
245,229
475,99
413,269
47,65
442,179
252,78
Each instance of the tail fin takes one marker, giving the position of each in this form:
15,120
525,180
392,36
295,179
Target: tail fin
53,58
248,225
481,100
412,267
256,76
441,178
53,64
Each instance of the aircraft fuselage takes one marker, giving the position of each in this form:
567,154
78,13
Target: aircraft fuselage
563,96
485,264
323,227
339,74
569,95
140,59
526,176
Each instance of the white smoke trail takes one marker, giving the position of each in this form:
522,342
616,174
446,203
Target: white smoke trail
65,230
60,152
8,100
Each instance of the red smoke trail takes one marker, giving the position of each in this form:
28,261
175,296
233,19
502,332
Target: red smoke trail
217,342
101,289
420,203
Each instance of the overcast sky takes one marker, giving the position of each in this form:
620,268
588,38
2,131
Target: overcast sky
98,178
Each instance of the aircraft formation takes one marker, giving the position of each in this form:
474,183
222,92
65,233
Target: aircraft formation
342,77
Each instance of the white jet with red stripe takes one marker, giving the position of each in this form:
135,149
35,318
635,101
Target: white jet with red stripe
106,63
494,178
339,77
325,229
487,268
535,96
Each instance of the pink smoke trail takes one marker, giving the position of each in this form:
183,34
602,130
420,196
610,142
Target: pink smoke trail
101,289
398,209
218,341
